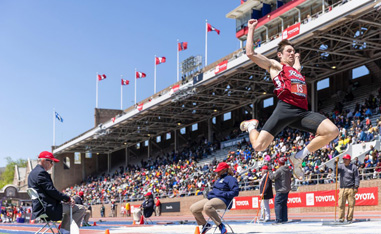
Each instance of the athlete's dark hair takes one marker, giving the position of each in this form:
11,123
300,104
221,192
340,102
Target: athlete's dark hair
282,44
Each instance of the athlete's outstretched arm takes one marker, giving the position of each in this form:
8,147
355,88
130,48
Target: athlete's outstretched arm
259,59
297,65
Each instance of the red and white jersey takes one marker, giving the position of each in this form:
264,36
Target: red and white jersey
290,87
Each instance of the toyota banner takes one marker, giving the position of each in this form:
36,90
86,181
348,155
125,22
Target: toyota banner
364,197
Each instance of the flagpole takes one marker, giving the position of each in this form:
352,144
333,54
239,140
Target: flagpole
177,46
206,42
154,77
135,84
121,92
96,92
54,127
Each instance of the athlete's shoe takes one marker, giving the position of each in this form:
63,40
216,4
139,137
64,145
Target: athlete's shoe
297,164
247,123
206,227
222,228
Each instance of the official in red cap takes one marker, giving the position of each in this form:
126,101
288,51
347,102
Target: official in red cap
148,206
282,178
40,180
224,190
266,191
79,201
349,184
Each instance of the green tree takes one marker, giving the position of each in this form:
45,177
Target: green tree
9,173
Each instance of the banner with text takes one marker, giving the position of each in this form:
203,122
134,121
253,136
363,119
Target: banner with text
170,207
291,31
222,66
364,197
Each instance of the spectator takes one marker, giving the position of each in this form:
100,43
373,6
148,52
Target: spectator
102,210
113,209
128,209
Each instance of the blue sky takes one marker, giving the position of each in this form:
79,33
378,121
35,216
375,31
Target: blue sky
50,52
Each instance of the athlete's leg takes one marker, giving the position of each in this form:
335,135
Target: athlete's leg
260,140
326,132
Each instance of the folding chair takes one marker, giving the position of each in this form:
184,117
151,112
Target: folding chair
221,213
34,195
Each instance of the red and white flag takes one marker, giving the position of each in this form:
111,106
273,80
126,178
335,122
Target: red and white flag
140,75
101,77
182,46
211,28
113,119
125,82
140,107
160,60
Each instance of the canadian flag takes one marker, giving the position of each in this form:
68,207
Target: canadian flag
140,107
160,60
125,82
113,119
211,28
140,75
182,46
101,77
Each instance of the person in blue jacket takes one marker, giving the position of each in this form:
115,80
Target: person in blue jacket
224,190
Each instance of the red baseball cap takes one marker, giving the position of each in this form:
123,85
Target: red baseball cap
221,166
347,156
282,160
148,194
265,168
48,155
80,193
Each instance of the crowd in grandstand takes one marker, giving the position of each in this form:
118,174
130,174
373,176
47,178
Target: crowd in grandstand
178,173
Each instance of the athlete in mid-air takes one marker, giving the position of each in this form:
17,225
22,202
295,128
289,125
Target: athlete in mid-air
292,107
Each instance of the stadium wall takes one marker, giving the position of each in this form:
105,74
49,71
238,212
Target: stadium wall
186,202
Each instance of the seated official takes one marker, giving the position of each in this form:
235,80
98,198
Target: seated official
224,190
40,180
148,205
79,200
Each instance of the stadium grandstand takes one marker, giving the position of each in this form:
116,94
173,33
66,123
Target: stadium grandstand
170,142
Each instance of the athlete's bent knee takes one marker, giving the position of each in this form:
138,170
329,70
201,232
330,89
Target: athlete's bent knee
259,146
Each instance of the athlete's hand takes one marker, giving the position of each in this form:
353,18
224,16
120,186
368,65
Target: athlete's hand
252,23
297,55
355,190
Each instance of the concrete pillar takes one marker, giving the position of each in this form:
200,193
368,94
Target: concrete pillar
253,111
267,33
281,19
175,139
323,6
299,15
108,162
127,156
210,130
97,162
313,97
149,148
83,167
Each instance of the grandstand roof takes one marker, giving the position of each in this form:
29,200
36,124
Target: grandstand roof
345,38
